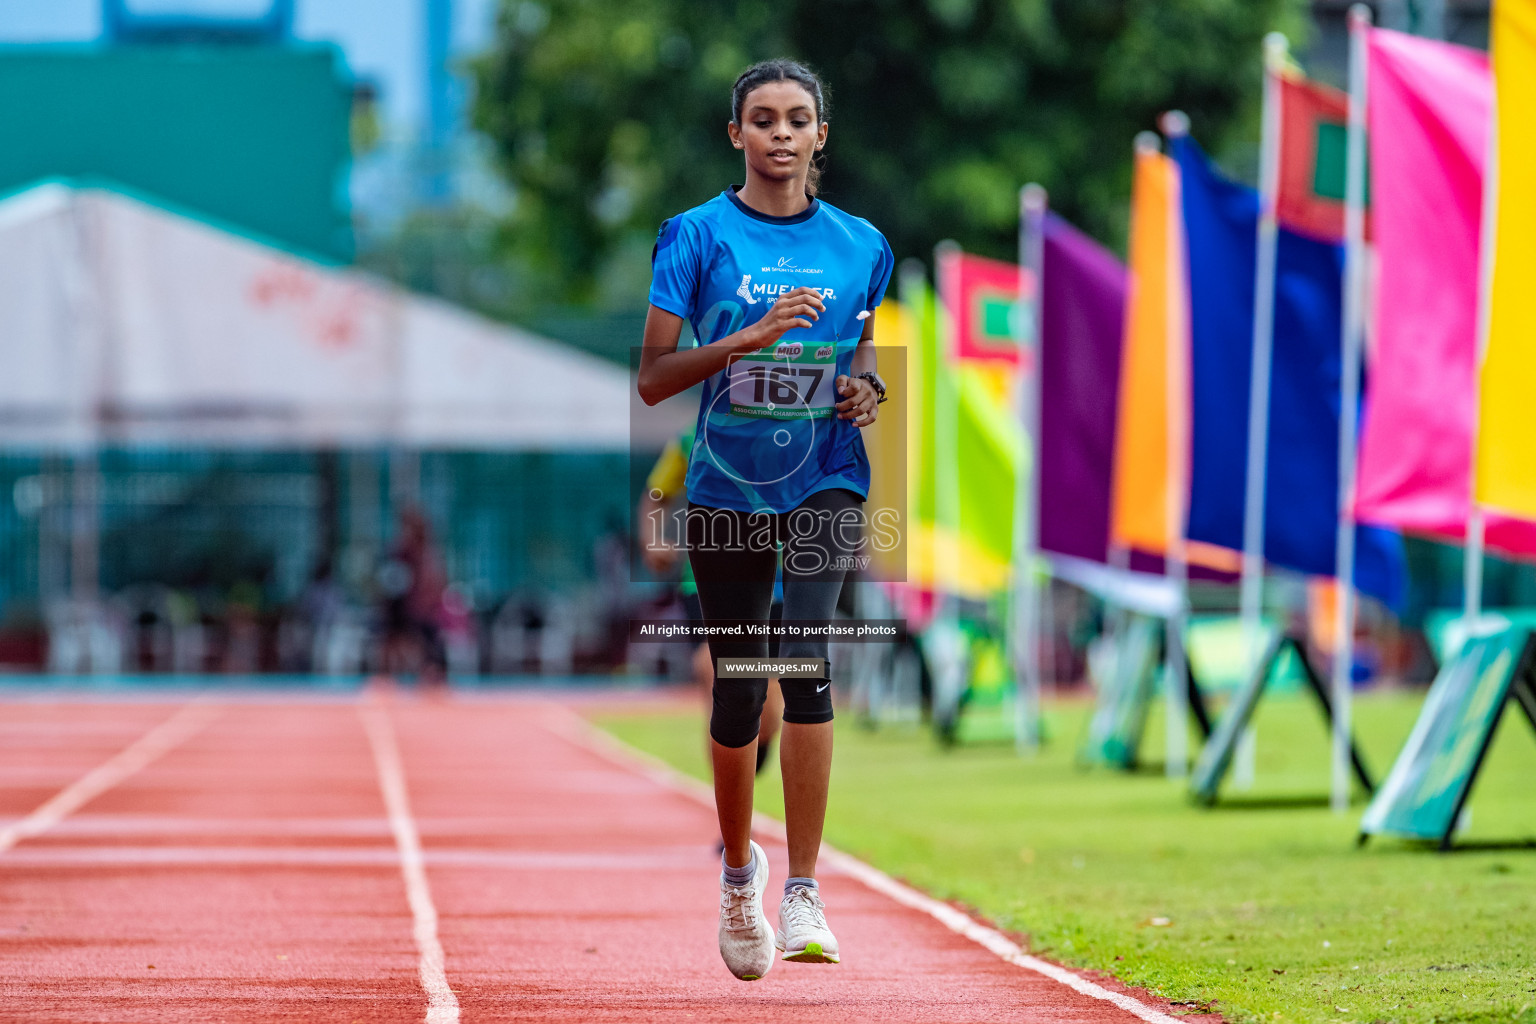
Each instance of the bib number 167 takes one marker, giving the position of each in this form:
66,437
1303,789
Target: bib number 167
784,388
778,384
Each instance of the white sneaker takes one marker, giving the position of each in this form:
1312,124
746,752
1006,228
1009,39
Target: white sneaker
746,938
803,933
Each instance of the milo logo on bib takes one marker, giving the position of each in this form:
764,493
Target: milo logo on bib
791,380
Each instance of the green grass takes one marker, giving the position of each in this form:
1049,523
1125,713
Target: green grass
1275,914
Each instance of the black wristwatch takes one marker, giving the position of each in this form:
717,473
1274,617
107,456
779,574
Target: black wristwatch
875,382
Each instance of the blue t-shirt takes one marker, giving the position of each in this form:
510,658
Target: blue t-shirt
767,435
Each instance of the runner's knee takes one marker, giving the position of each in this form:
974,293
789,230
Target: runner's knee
737,710
807,701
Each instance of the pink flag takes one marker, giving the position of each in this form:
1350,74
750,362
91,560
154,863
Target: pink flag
1430,105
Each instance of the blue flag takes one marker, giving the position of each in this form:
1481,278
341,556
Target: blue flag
1301,493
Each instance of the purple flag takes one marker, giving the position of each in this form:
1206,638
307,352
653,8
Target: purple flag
1083,318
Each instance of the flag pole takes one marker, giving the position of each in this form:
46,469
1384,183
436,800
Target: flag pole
1472,554
1472,570
1251,601
946,419
946,437
1029,601
1175,558
912,293
1351,346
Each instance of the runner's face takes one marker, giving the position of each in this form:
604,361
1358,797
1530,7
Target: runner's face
779,130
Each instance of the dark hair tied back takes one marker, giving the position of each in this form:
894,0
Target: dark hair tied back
783,70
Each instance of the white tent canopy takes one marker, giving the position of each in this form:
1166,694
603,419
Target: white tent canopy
128,324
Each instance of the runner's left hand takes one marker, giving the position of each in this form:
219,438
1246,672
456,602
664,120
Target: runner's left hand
860,402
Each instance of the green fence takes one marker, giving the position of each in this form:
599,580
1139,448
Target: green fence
213,523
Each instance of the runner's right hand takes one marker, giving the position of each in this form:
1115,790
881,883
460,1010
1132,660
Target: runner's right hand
798,307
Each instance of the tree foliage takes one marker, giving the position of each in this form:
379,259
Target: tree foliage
609,115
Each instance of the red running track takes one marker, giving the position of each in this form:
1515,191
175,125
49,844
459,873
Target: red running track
248,862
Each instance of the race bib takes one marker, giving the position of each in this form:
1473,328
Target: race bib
789,380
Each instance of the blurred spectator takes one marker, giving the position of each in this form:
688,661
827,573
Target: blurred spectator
312,615
322,599
411,587
242,624
610,560
460,640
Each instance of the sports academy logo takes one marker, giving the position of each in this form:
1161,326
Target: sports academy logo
786,265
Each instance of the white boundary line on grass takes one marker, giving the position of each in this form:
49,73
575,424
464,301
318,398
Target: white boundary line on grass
442,1004
139,754
572,726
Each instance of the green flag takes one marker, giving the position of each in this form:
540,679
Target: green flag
966,549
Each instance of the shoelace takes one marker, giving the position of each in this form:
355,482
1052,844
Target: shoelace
743,904
802,907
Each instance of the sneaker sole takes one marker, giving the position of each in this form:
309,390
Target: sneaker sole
752,977
811,954
773,936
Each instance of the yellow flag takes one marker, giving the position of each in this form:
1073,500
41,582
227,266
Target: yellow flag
1506,429
966,550
1147,509
889,441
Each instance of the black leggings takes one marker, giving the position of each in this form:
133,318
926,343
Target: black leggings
734,557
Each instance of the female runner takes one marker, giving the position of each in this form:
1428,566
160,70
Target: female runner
778,288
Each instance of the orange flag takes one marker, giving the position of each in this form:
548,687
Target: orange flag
1152,428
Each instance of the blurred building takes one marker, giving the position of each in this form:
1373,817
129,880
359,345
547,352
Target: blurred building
226,117
197,21
425,160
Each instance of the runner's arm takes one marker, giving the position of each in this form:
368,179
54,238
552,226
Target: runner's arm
664,371
864,355
860,402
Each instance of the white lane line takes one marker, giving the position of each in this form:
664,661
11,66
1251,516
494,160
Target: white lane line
683,858
991,938
572,726
116,825
365,828
442,1004
163,738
